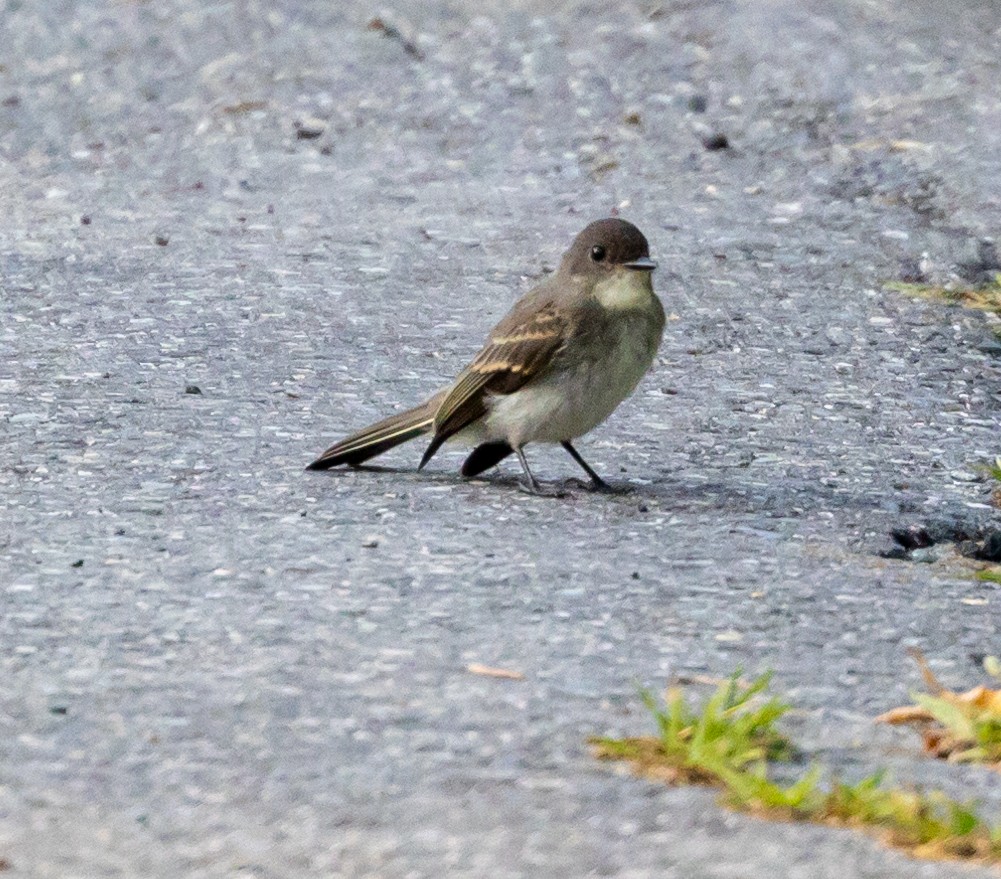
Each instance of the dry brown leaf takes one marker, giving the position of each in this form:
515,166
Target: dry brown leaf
981,698
977,704
905,714
902,146
941,744
931,682
491,672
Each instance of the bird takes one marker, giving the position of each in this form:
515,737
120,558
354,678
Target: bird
554,368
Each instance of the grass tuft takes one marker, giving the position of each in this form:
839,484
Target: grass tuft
986,297
728,734
733,738
993,471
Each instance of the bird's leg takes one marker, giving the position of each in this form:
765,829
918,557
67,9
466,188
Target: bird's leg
597,483
530,485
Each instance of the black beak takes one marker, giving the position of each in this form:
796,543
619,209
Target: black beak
643,264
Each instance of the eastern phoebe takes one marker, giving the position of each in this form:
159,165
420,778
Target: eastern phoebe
555,367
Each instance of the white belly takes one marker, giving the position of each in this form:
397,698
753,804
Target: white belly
567,403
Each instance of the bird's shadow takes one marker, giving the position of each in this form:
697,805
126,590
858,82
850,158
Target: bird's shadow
559,489
869,518
726,493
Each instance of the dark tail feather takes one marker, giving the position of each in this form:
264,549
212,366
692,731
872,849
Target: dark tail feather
433,446
484,457
379,437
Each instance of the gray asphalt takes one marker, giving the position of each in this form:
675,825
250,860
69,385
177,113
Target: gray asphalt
216,665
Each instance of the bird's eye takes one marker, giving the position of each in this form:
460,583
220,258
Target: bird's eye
597,253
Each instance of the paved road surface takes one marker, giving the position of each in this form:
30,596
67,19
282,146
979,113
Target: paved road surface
216,665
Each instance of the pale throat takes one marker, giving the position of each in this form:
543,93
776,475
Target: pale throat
625,290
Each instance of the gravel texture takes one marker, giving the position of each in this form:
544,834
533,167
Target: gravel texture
234,231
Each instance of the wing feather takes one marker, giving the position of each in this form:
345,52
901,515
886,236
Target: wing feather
517,351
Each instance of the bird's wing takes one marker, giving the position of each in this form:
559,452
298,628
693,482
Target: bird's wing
519,348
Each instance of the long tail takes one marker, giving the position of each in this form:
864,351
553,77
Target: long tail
380,437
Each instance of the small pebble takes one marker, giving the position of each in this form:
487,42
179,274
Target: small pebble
716,142
309,129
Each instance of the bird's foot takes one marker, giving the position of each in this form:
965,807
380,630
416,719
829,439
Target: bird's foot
533,488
